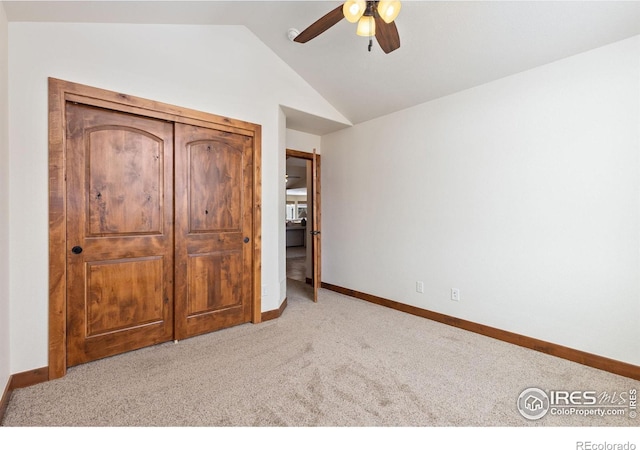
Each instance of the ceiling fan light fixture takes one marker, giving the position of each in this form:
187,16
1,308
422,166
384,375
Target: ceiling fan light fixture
354,9
369,23
366,26
389,10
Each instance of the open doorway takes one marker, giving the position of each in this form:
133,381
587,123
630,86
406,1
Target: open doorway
303,220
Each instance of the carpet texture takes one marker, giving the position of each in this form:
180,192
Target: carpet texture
340,362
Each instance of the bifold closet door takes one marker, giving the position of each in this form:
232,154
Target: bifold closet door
213,220
120,245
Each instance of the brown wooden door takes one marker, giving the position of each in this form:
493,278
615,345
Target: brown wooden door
315,232
120,262
213,207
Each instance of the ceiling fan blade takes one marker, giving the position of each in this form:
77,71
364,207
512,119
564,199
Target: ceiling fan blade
387,35
321,25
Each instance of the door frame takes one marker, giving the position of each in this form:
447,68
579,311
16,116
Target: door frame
316,258
60,92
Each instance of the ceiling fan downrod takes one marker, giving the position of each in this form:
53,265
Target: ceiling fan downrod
371,12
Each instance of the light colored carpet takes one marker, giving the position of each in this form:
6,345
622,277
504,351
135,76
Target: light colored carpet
340,362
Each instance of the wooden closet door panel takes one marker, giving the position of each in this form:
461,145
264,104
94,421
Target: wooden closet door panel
119,232
213,195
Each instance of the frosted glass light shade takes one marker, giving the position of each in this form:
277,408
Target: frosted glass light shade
354,9
366,26
389,10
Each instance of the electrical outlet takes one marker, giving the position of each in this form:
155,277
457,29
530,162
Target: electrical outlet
420,287
455,294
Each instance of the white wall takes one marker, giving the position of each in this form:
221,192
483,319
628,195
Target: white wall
218,69
4,203
303,142
282,201
524,193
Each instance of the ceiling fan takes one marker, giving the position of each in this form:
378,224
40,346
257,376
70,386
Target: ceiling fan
375,18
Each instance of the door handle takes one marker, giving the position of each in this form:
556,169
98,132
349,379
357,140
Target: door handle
76,250
314,233
246,240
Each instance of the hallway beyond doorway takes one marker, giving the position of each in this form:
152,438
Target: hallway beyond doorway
296,263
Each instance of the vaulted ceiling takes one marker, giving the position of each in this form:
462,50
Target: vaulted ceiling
446,46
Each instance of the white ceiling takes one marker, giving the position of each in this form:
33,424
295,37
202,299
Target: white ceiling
447,46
